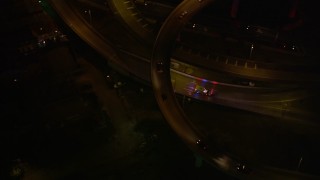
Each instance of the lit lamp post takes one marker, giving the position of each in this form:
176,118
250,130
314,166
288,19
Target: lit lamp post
251,51
90,17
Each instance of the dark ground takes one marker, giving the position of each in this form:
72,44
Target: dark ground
77,126
61,117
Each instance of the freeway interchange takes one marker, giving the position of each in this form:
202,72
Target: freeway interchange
125,39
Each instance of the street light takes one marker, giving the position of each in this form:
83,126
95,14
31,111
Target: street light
90,17
251,51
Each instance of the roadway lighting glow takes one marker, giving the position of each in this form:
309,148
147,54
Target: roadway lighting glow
89,12
251,50
178,120
224,162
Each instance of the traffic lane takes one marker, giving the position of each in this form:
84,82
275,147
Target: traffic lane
81,27
252,136
232,46
246,70
114,32
236,92
128,13
280,105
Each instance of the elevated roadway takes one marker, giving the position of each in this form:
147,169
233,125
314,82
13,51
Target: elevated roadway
161,80
277,103
246,68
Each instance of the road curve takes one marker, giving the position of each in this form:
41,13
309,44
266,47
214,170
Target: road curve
161,81
125,11
81,27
